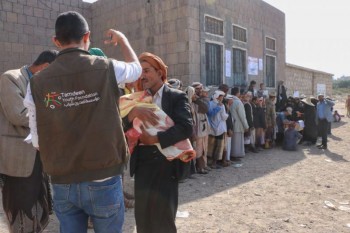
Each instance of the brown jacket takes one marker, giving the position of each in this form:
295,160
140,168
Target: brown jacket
16,157
79,127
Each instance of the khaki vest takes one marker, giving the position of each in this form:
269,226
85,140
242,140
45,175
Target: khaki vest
79,126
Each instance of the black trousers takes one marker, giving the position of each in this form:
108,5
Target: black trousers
156,192
323,130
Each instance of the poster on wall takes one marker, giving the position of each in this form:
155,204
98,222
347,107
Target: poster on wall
261,64
228,63
253,66
321,88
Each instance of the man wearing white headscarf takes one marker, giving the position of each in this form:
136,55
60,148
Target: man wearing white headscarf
217,119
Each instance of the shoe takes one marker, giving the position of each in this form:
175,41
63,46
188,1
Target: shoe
318,146
207,169
202,171
322,147
215,166
254,150
225,164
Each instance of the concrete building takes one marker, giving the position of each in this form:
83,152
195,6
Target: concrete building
307,81
211,41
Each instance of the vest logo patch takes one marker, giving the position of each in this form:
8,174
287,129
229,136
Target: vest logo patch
70,99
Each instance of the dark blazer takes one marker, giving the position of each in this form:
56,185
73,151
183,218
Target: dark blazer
249,114
175,104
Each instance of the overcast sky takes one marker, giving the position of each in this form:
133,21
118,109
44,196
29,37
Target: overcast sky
317,34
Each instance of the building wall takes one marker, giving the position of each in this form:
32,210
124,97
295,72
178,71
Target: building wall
26,28
260,19
306,80
174,30
163,27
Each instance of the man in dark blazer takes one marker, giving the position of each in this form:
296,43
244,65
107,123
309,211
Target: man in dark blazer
281,97
156,178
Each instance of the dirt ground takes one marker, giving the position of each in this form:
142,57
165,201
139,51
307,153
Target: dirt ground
273,191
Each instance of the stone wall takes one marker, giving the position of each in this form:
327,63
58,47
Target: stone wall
174,30
26,28
306,80
163,27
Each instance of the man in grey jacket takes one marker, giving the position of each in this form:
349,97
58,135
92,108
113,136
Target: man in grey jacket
25,189
240,125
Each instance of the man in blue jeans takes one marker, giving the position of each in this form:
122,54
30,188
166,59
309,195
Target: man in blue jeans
74,120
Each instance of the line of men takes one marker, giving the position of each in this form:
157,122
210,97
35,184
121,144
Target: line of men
227,126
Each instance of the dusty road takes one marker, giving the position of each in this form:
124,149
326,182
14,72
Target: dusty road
274,191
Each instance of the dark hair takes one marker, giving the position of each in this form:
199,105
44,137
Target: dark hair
223,87
252,82
70,27
47,56
254,98
234,91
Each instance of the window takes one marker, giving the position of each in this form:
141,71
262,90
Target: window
239,66
270,71
239,33
213,64
270,44
214,26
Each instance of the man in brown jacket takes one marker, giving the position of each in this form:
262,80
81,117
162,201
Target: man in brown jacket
24,188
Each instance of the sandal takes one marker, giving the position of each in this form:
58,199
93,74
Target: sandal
128,195
129,203
202,171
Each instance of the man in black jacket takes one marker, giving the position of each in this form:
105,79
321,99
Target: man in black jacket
156,178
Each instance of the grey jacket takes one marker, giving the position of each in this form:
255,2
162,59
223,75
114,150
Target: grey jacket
238,115
16,156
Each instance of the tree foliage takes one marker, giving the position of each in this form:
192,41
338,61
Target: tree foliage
341,84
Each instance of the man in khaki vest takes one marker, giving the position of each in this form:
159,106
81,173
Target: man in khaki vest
78,129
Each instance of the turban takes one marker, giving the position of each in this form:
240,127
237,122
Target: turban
97,52
155,62
174,83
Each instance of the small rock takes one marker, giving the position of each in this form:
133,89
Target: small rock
257,194
330,205
286,220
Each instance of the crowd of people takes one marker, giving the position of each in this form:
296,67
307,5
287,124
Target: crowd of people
63,127
227,125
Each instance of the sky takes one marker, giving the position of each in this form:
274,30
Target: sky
317,34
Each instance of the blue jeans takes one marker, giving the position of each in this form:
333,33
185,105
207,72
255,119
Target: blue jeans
102,201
